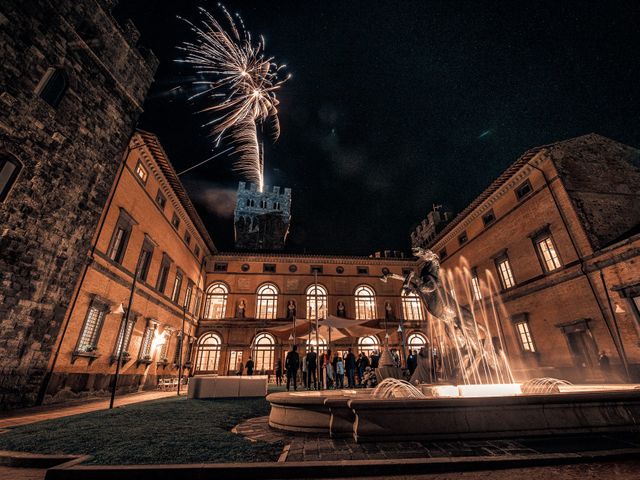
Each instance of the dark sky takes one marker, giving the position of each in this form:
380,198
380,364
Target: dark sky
394,106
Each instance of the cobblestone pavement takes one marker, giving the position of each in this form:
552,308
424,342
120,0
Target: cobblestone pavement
314,447
48,412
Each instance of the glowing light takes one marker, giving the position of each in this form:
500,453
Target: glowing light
490,390
239,82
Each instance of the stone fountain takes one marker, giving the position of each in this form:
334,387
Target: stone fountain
479,398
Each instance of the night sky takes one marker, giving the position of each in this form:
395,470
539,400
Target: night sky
395,106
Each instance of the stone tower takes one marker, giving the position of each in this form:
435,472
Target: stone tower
261,219
72,85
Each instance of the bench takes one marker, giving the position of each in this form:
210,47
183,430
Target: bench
209,386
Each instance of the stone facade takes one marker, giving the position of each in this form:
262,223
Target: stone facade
235,280
261,219
565,219
68,136
148,198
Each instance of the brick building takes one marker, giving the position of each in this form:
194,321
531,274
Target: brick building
72,86
556,238
249,293
150,224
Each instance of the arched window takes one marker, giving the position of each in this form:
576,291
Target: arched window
53,86
208,355
216,303
264,346
365,303
267,305
319,346
411,306
316,295
416,341
9,169
368,345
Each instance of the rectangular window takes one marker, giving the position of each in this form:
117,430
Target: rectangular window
120,237
147,342
124,345
197,251
548,254
475,285
220,267
363,270
406,271
141,172
187,295
269,267
88,341
176,353
164,350
488,218
163,275
442,254
524,335
316,269
462,238
196,304
144,262
161,200
523,190
187,238
177,285
506,274
175,221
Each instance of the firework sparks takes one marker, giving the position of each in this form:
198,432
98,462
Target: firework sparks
240,83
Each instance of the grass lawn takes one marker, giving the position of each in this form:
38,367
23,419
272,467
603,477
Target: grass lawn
172,430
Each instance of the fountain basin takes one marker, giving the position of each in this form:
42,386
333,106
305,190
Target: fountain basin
369,419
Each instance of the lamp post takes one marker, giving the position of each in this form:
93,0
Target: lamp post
180,366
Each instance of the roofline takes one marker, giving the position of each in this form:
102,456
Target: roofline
248,255
162,159
523,160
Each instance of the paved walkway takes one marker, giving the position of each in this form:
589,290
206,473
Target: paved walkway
317,447
38,414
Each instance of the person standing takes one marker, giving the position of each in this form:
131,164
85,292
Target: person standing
312,369
279,372
240,369
250,367
291,363
339,372
605,365
375,359
303,369
350,365
412,362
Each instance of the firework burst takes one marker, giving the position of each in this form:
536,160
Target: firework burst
239,83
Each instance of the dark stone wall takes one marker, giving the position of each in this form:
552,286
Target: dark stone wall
70,156
602,177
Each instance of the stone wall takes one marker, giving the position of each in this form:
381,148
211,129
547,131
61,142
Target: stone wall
70,155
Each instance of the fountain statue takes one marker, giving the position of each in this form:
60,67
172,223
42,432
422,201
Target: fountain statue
474,358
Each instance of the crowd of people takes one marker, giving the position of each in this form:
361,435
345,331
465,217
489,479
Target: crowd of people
317,371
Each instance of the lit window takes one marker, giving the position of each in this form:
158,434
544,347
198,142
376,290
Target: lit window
411,306
316,296
320,345
524,335
208,356
147,342
416,341
547,250
368,345
264,350
141,172
177,285
216,302
506,274
267,304
475,286
365,299
9,169
88,340
53,86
